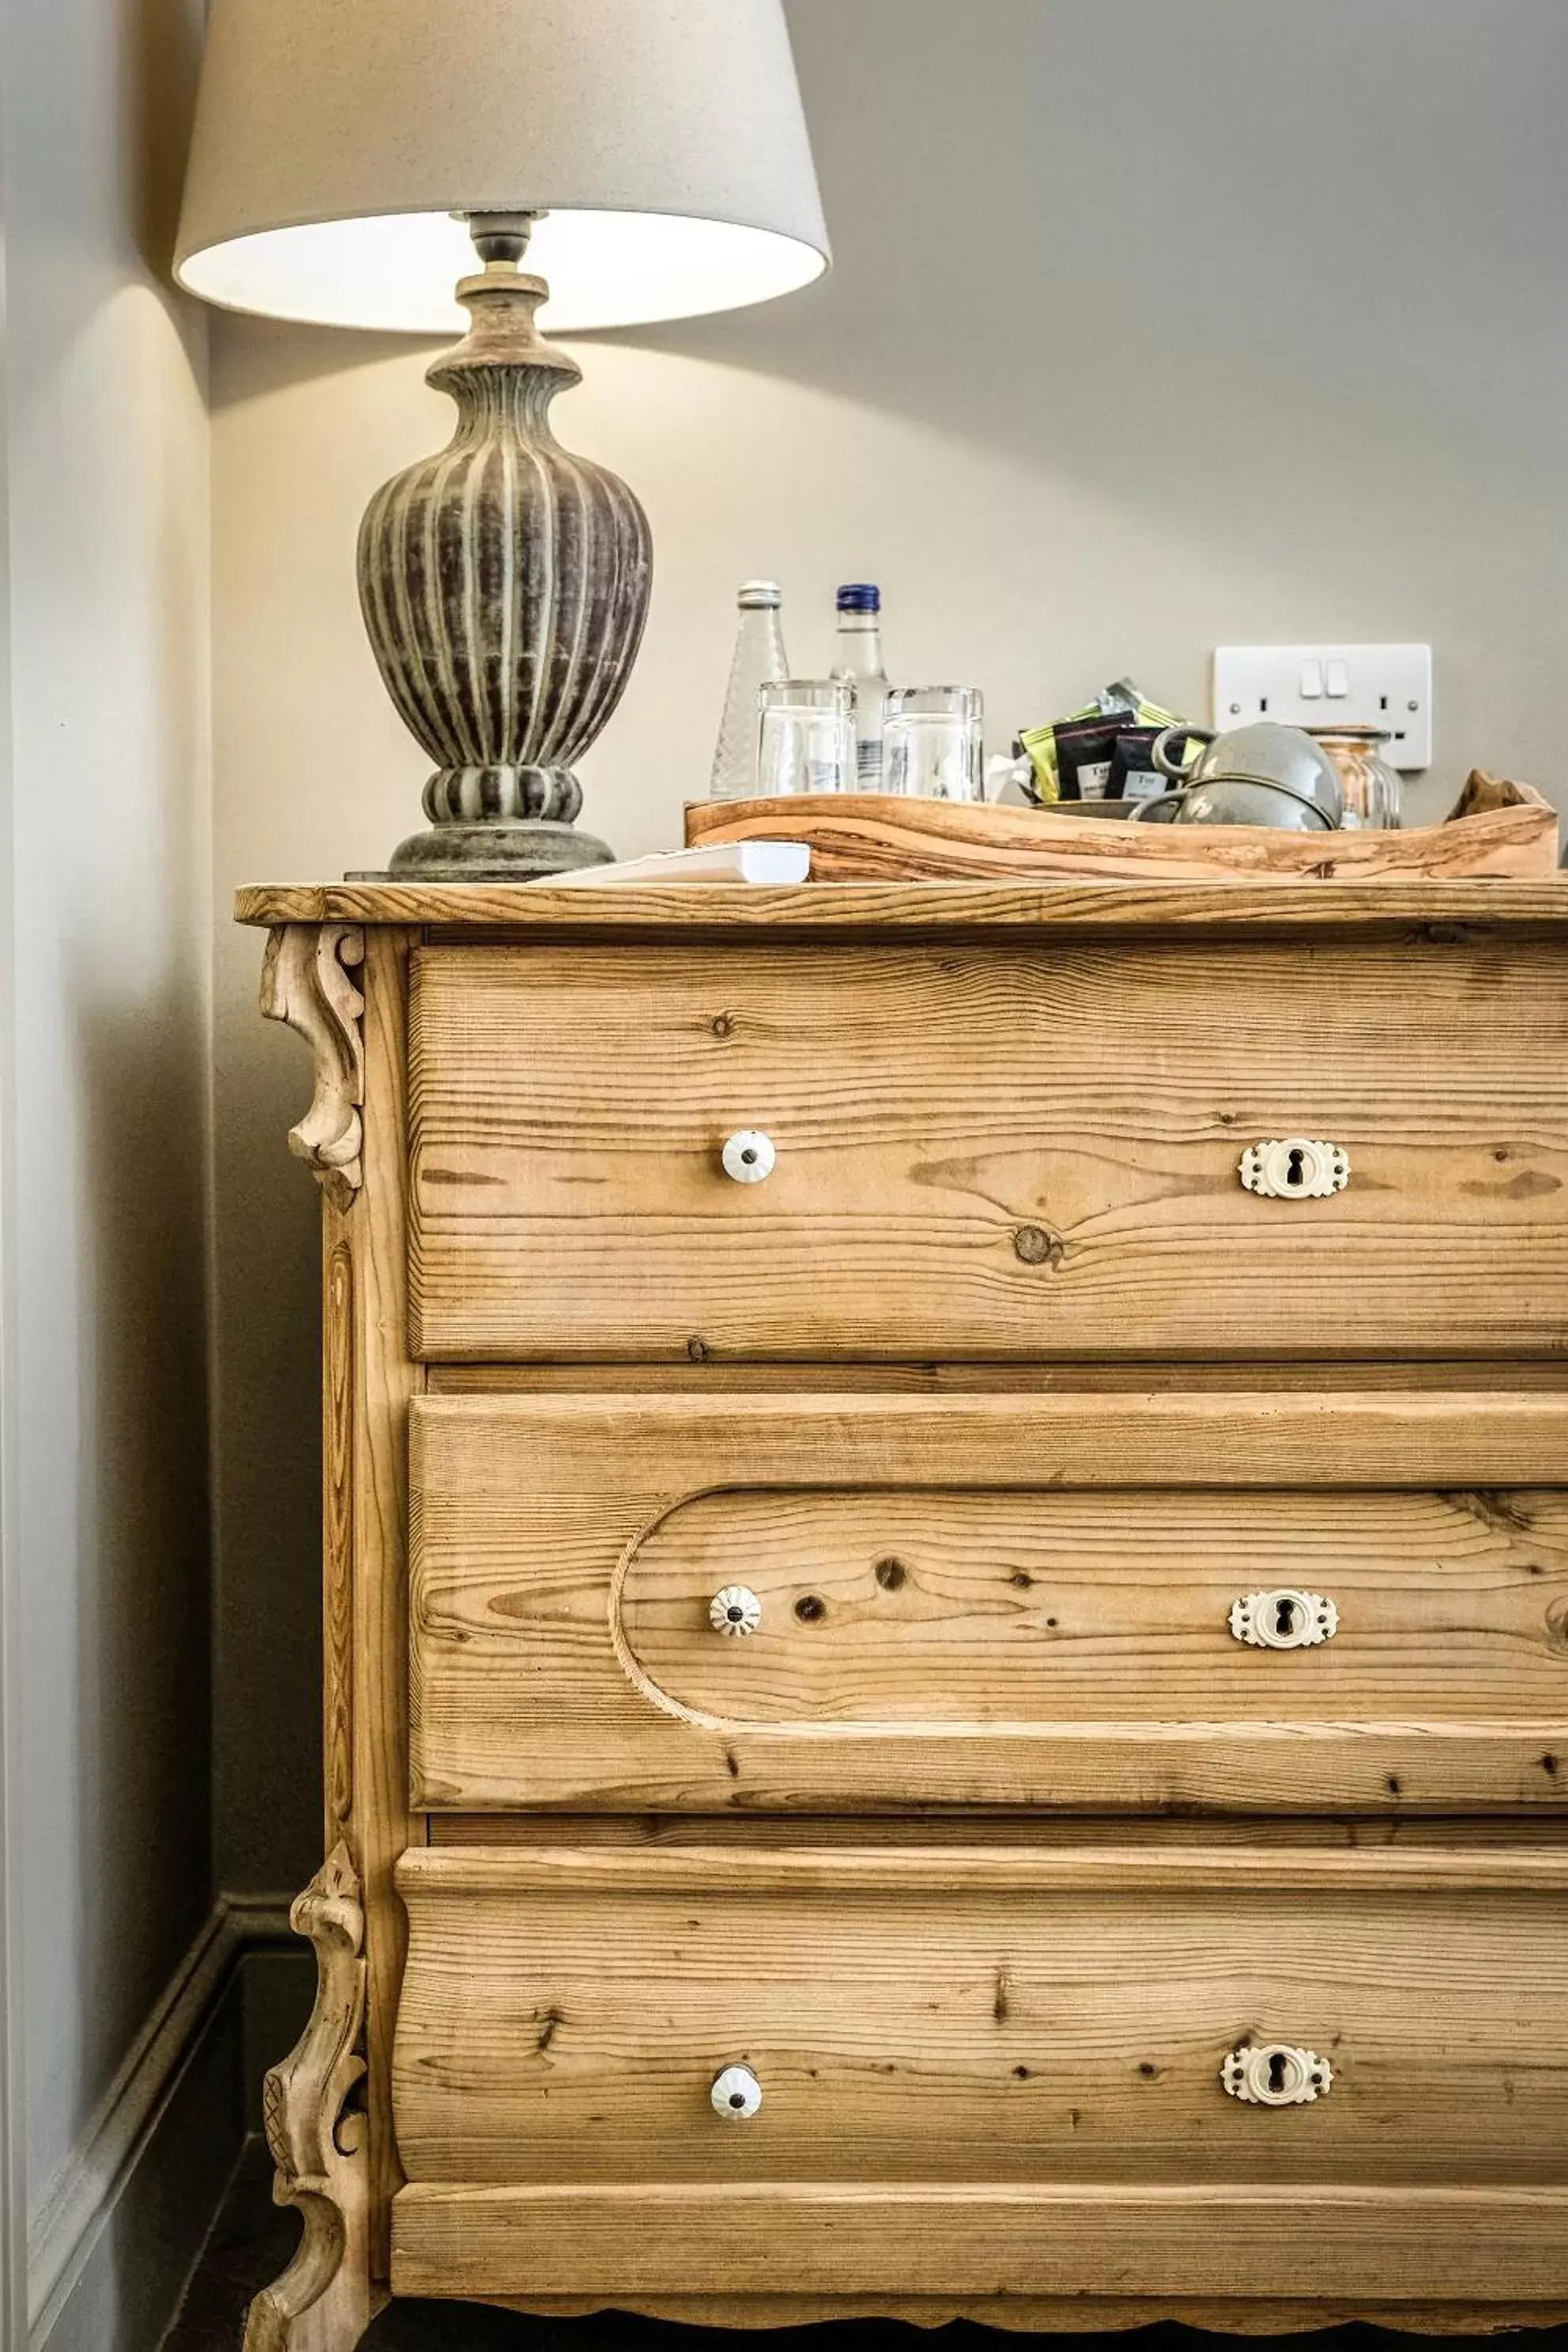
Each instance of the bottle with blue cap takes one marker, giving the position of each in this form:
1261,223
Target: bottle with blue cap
861,662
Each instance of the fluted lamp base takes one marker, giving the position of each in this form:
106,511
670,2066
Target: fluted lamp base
505,586
493,852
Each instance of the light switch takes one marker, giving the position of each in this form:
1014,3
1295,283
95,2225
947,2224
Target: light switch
1312,681
1337,679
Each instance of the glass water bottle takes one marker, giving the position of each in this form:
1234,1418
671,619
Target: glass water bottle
759,661
859,651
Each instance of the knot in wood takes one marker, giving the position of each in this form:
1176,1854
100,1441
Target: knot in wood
1036,1247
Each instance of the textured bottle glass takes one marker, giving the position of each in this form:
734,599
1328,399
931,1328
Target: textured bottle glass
759,660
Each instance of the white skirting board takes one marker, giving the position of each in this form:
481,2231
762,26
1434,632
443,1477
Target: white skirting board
111,2246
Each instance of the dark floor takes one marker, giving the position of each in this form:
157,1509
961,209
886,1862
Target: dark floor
252,2242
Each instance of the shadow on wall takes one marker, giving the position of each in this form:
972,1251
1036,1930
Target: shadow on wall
110,560
145,1633
1221,306
160,53
143,1622
1258,276
269,1658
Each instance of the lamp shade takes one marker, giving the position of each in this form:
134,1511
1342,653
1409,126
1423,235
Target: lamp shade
335,138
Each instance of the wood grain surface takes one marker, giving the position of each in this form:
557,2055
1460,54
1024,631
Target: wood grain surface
986,1151
1374,2248
339,1426
1058,2315
877,837
1072,1374
944,1606
1102,1860
1006,1379
368,1382
687,1834
1012,2018
565,1550
1237,909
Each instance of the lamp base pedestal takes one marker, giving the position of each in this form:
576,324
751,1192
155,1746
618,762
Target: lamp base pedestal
505,584
490,852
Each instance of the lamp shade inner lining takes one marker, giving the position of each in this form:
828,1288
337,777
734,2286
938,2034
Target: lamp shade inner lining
397,271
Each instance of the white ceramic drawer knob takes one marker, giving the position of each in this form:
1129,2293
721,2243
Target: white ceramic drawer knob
1276,2075
1286,1619
735,1611
1296,1168
749,1156
736,2093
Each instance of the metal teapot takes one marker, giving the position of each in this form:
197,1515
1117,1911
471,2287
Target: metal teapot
1261,774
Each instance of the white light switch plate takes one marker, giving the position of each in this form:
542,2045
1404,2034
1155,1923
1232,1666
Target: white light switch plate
1325,686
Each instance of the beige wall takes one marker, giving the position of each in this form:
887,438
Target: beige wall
108,935
1156,324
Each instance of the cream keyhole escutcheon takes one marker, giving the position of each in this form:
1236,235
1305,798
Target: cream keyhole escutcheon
1295,1168
1285,1619
1276,2075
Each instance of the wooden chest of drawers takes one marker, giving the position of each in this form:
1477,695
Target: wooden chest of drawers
946,1603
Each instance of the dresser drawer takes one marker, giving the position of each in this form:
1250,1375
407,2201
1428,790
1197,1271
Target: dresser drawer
1014,2059
1004,1150
845,1601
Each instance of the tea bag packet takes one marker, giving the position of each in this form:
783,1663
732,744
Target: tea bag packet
1133,775
1075,759
1038,745
1086,752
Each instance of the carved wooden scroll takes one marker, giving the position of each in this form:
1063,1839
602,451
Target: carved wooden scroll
322,2301
305,982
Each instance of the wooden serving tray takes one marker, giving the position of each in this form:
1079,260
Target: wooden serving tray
1497,828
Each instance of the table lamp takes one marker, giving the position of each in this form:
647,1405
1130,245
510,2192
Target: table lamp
651,156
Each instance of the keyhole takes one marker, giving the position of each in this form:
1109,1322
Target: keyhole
1296,1168
1277,2072
1285,1616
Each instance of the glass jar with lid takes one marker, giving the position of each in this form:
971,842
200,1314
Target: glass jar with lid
1371,786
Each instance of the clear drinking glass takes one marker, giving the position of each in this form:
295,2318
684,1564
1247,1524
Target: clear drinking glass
807,738
932,742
